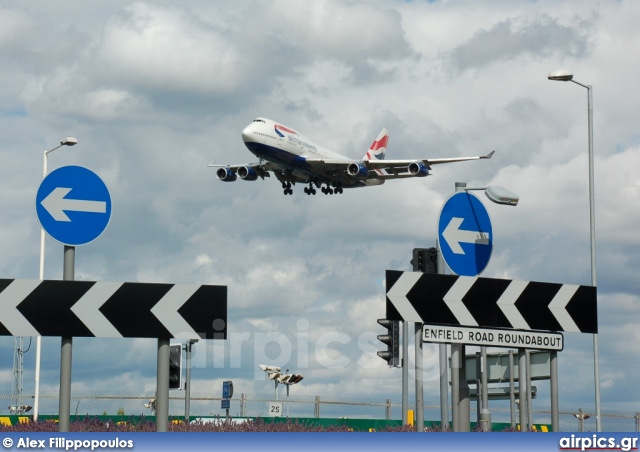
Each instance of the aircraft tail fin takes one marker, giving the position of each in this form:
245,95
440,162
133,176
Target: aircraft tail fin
378,147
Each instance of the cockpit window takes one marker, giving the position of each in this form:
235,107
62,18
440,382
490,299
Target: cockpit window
259,120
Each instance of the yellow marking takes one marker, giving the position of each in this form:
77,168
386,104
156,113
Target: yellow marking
5,420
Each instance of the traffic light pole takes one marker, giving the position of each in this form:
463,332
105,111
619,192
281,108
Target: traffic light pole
187,385
424,260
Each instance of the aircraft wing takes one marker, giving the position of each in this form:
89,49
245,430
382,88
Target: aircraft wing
387,169
384,164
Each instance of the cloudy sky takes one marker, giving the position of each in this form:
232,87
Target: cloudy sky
154,91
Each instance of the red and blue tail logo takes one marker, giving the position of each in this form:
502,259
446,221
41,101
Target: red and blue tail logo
379,147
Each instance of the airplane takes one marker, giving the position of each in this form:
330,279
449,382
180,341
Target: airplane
292,159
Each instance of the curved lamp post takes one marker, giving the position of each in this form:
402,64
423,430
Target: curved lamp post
68,141
563,75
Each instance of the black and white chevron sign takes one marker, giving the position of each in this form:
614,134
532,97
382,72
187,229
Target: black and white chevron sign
486,302
111,309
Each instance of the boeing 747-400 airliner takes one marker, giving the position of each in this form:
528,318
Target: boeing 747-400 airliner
292,158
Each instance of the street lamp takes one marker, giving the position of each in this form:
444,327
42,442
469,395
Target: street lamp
564,75
499,195
68,141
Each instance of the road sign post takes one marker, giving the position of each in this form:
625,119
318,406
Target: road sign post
72,219
227,393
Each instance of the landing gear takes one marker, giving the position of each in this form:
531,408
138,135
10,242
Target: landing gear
287,188
337,189
328,188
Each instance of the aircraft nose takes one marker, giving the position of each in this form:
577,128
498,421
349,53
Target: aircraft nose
247,132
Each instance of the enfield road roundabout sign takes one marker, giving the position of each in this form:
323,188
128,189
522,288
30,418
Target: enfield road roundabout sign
539,340
465,234
73,205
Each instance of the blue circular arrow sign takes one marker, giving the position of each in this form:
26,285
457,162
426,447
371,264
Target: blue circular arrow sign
465,234
73,205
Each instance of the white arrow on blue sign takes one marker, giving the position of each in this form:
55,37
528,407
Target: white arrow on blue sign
465,234
73,205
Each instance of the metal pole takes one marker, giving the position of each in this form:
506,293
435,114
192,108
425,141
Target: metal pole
187,389
553,382
465,402
522,377
287,399
480,389
64,402
485,414
36,396
580,420
512,390
444,365
162,386
592,236
419,377
464,411
592,229
405,371
527,354
455,386
444,387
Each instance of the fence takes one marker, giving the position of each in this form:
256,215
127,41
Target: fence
257,405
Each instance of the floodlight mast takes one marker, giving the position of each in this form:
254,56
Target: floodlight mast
273,372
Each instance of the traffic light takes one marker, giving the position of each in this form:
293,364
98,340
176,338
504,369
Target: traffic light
175,366
425,260
392,339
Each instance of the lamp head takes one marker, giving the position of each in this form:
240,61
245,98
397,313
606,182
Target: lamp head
501,195
561,75
69,141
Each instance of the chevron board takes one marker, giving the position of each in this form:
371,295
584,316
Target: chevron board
487,302
111,309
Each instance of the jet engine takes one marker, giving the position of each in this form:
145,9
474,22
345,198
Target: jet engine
357,170
418,169
247,173
226,175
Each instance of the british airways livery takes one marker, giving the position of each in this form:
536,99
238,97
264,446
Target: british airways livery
292,158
